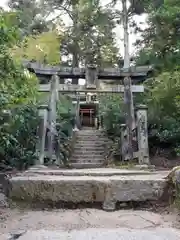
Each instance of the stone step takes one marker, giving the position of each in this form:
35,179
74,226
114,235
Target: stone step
86,165
94,142
90,133
107,190
87,141
99,172
94,161
93,136
91,140
87,154
83,156
89,149
90,145
81,132
91,157
86,159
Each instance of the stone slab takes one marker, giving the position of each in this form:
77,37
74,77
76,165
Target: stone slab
16,221
85,165
105,234
76,189
93,172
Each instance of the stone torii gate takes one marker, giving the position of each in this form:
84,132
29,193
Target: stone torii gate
93,76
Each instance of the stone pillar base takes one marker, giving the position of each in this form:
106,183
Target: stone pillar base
75,129
109,206
38,166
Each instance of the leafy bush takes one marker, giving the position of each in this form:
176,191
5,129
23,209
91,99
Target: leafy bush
163,101
18,110
112,110
18,138
66,115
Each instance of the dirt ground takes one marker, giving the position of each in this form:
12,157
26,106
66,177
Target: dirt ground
161,162
15,220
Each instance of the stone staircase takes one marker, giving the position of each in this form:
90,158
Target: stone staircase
89,149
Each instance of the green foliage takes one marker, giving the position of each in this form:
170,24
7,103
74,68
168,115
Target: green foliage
30,16
163,101
111,108
18,111
9,34
18,137
161,48
42,48
64,127
88,34
162,95
96,22
161,37
66,115
138,7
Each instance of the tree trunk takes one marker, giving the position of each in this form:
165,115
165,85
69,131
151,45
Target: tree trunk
126,35
128,98
75,57
75,63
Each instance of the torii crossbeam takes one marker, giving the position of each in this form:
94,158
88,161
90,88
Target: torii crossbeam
137,74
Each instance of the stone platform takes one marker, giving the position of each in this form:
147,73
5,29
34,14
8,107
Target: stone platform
99,172
106,186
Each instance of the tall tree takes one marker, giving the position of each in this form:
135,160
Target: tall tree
136,7
97,42
161,38
89,34
31,17
128,98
